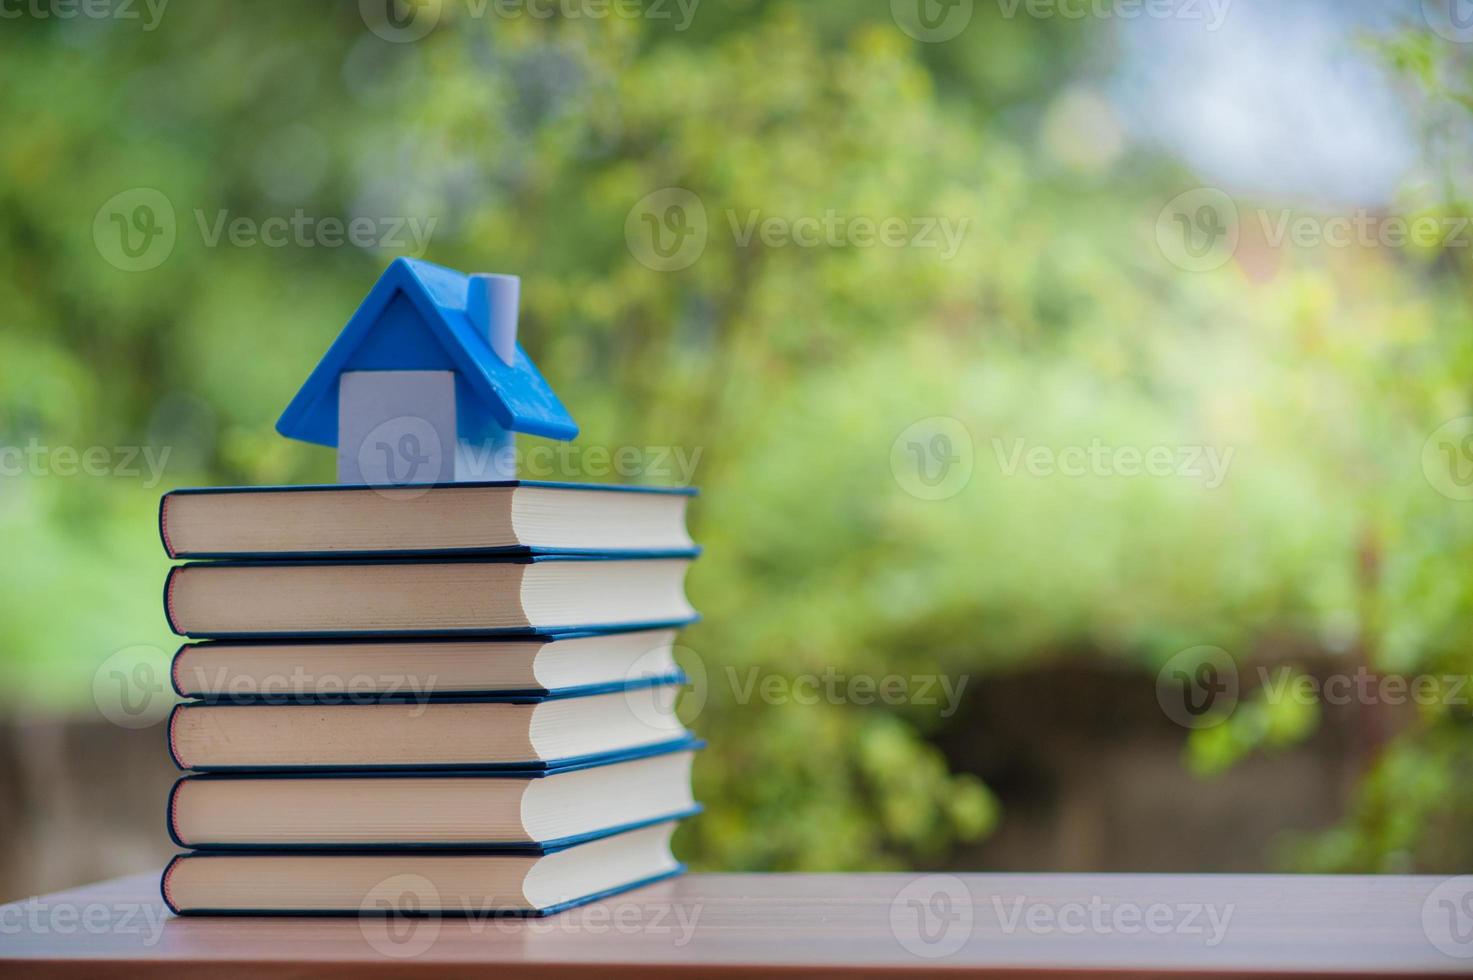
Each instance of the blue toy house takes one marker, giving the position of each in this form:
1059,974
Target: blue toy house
426,383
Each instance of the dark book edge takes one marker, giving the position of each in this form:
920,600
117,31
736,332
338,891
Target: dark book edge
549,766
673,678
678,870
164,526
467,485
492,847
686,743
554,632
384,556
169,738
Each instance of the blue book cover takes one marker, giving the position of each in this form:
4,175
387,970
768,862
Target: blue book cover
676,742
408,661
661,611
398,521
675,872
527,695
650,843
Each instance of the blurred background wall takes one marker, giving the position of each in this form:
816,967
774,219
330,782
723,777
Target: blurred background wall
1079,391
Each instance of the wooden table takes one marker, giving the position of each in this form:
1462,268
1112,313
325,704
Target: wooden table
1037,926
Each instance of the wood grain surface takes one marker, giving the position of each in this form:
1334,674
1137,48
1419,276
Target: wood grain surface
728,925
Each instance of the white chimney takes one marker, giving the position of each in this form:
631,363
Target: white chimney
492,305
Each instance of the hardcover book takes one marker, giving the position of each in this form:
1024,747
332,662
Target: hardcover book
468,883
507,731
540,594
441,519
509,810
338,671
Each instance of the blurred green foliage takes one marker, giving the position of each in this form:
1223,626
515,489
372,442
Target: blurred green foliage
791,370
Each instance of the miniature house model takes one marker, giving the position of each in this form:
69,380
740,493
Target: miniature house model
426,383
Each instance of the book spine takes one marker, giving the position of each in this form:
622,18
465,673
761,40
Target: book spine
169,600
164,526
171,813
174,665
164,884
169,735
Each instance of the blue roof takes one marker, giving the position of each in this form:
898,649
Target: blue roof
414,318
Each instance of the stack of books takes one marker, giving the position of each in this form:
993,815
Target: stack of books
469,687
